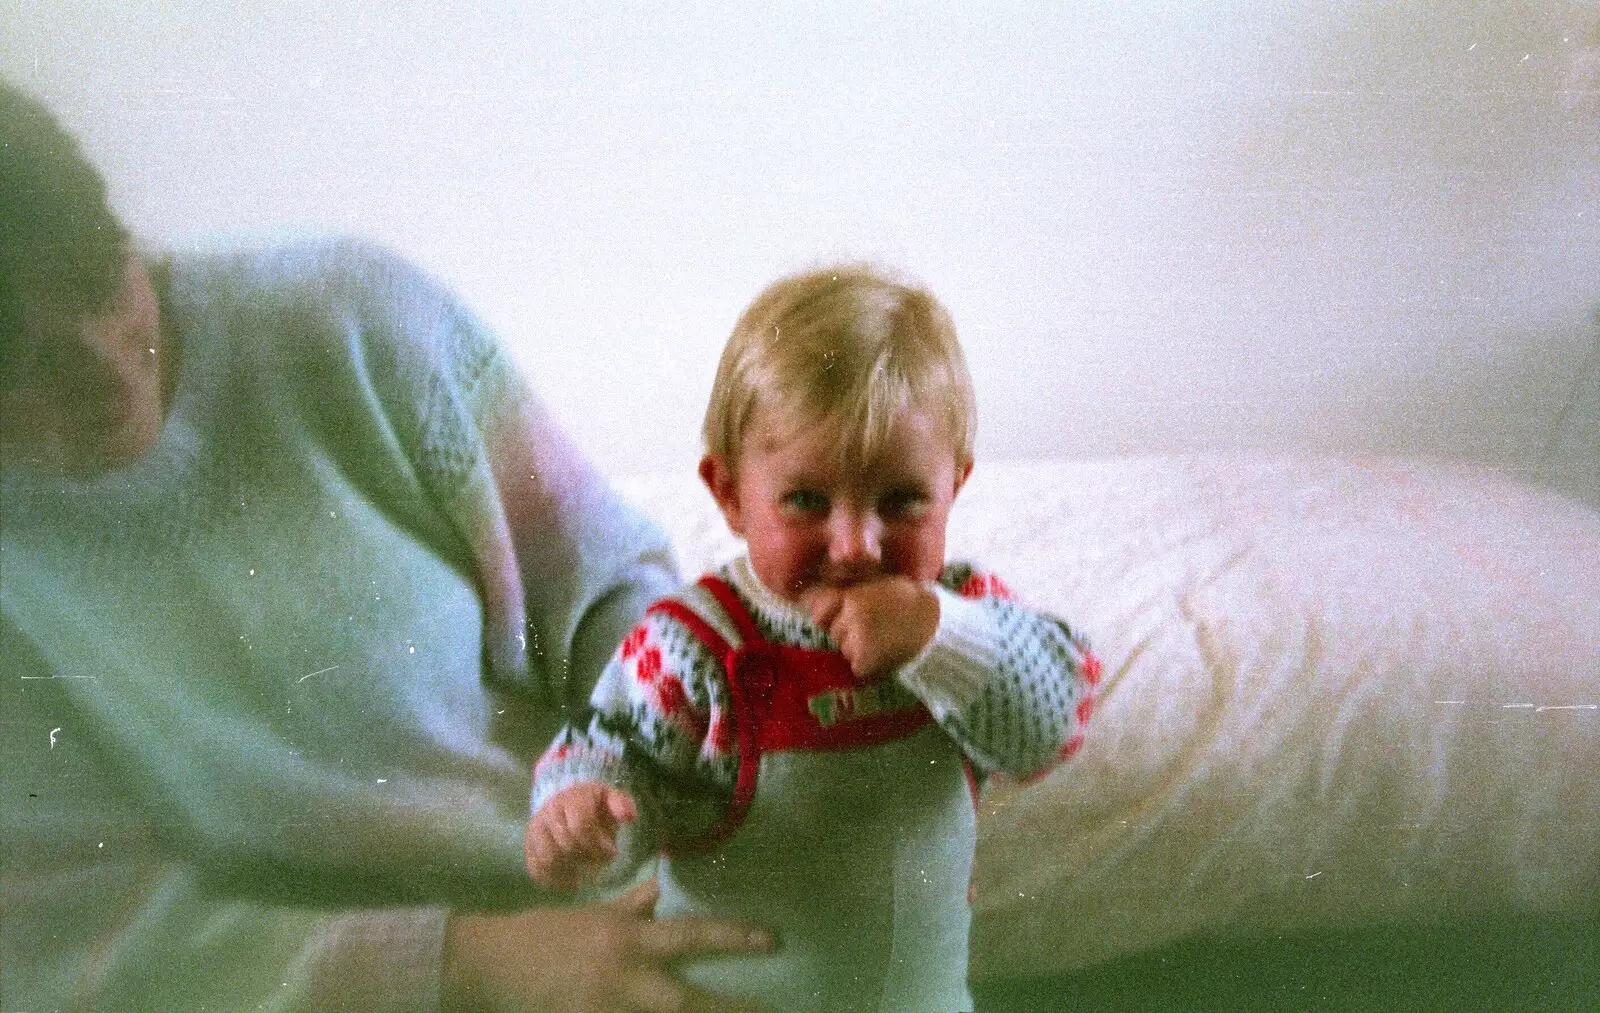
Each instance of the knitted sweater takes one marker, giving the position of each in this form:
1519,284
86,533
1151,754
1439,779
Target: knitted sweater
1013,689
261,688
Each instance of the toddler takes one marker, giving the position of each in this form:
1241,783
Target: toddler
800,734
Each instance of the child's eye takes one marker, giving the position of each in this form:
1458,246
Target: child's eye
903,503
805,501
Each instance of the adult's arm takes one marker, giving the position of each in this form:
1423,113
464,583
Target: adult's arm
563,568
588,564
246,798
587,567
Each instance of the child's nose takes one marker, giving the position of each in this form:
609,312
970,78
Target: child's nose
856,537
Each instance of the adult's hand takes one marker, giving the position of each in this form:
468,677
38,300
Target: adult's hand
599,958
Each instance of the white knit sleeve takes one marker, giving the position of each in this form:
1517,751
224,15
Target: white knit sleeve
1013,687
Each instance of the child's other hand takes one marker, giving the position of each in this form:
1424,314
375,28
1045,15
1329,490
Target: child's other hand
574,834
879,625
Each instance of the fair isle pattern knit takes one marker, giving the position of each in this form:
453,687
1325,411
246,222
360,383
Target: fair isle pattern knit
1013,688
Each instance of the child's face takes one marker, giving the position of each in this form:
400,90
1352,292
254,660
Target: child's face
810,521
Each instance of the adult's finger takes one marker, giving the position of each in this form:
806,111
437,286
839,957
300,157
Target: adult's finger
638,900
656,992
675,938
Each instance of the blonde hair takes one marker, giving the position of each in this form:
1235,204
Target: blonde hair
845,346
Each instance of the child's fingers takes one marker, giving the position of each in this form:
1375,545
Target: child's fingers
543,857
536,841
575,827
824,604
562,841
592,833
560,825
577,869
573,836
849,640
620,805
562,877
564,870
596,842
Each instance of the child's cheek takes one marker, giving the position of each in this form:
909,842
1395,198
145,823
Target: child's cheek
917,550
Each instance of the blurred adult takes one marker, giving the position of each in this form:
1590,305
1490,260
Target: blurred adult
295,575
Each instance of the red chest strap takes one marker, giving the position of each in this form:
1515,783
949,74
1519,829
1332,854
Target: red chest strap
745,720
799,698
788,698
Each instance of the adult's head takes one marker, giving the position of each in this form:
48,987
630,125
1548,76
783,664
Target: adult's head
847,348
80,384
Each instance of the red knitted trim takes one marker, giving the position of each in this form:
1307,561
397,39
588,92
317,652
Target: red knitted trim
1090,669
984,585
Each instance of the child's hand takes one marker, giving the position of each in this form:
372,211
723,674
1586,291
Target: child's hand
574,834
879,625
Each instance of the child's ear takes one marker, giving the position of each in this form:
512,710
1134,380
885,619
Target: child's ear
963,472
724,486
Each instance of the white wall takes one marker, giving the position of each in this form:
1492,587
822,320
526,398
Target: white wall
1282,224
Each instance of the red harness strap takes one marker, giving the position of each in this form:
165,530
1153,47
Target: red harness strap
744,786
743,621
789,698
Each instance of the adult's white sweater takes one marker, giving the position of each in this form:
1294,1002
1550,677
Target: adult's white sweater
269,695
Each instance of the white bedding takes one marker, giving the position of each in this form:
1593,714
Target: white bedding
1337,693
